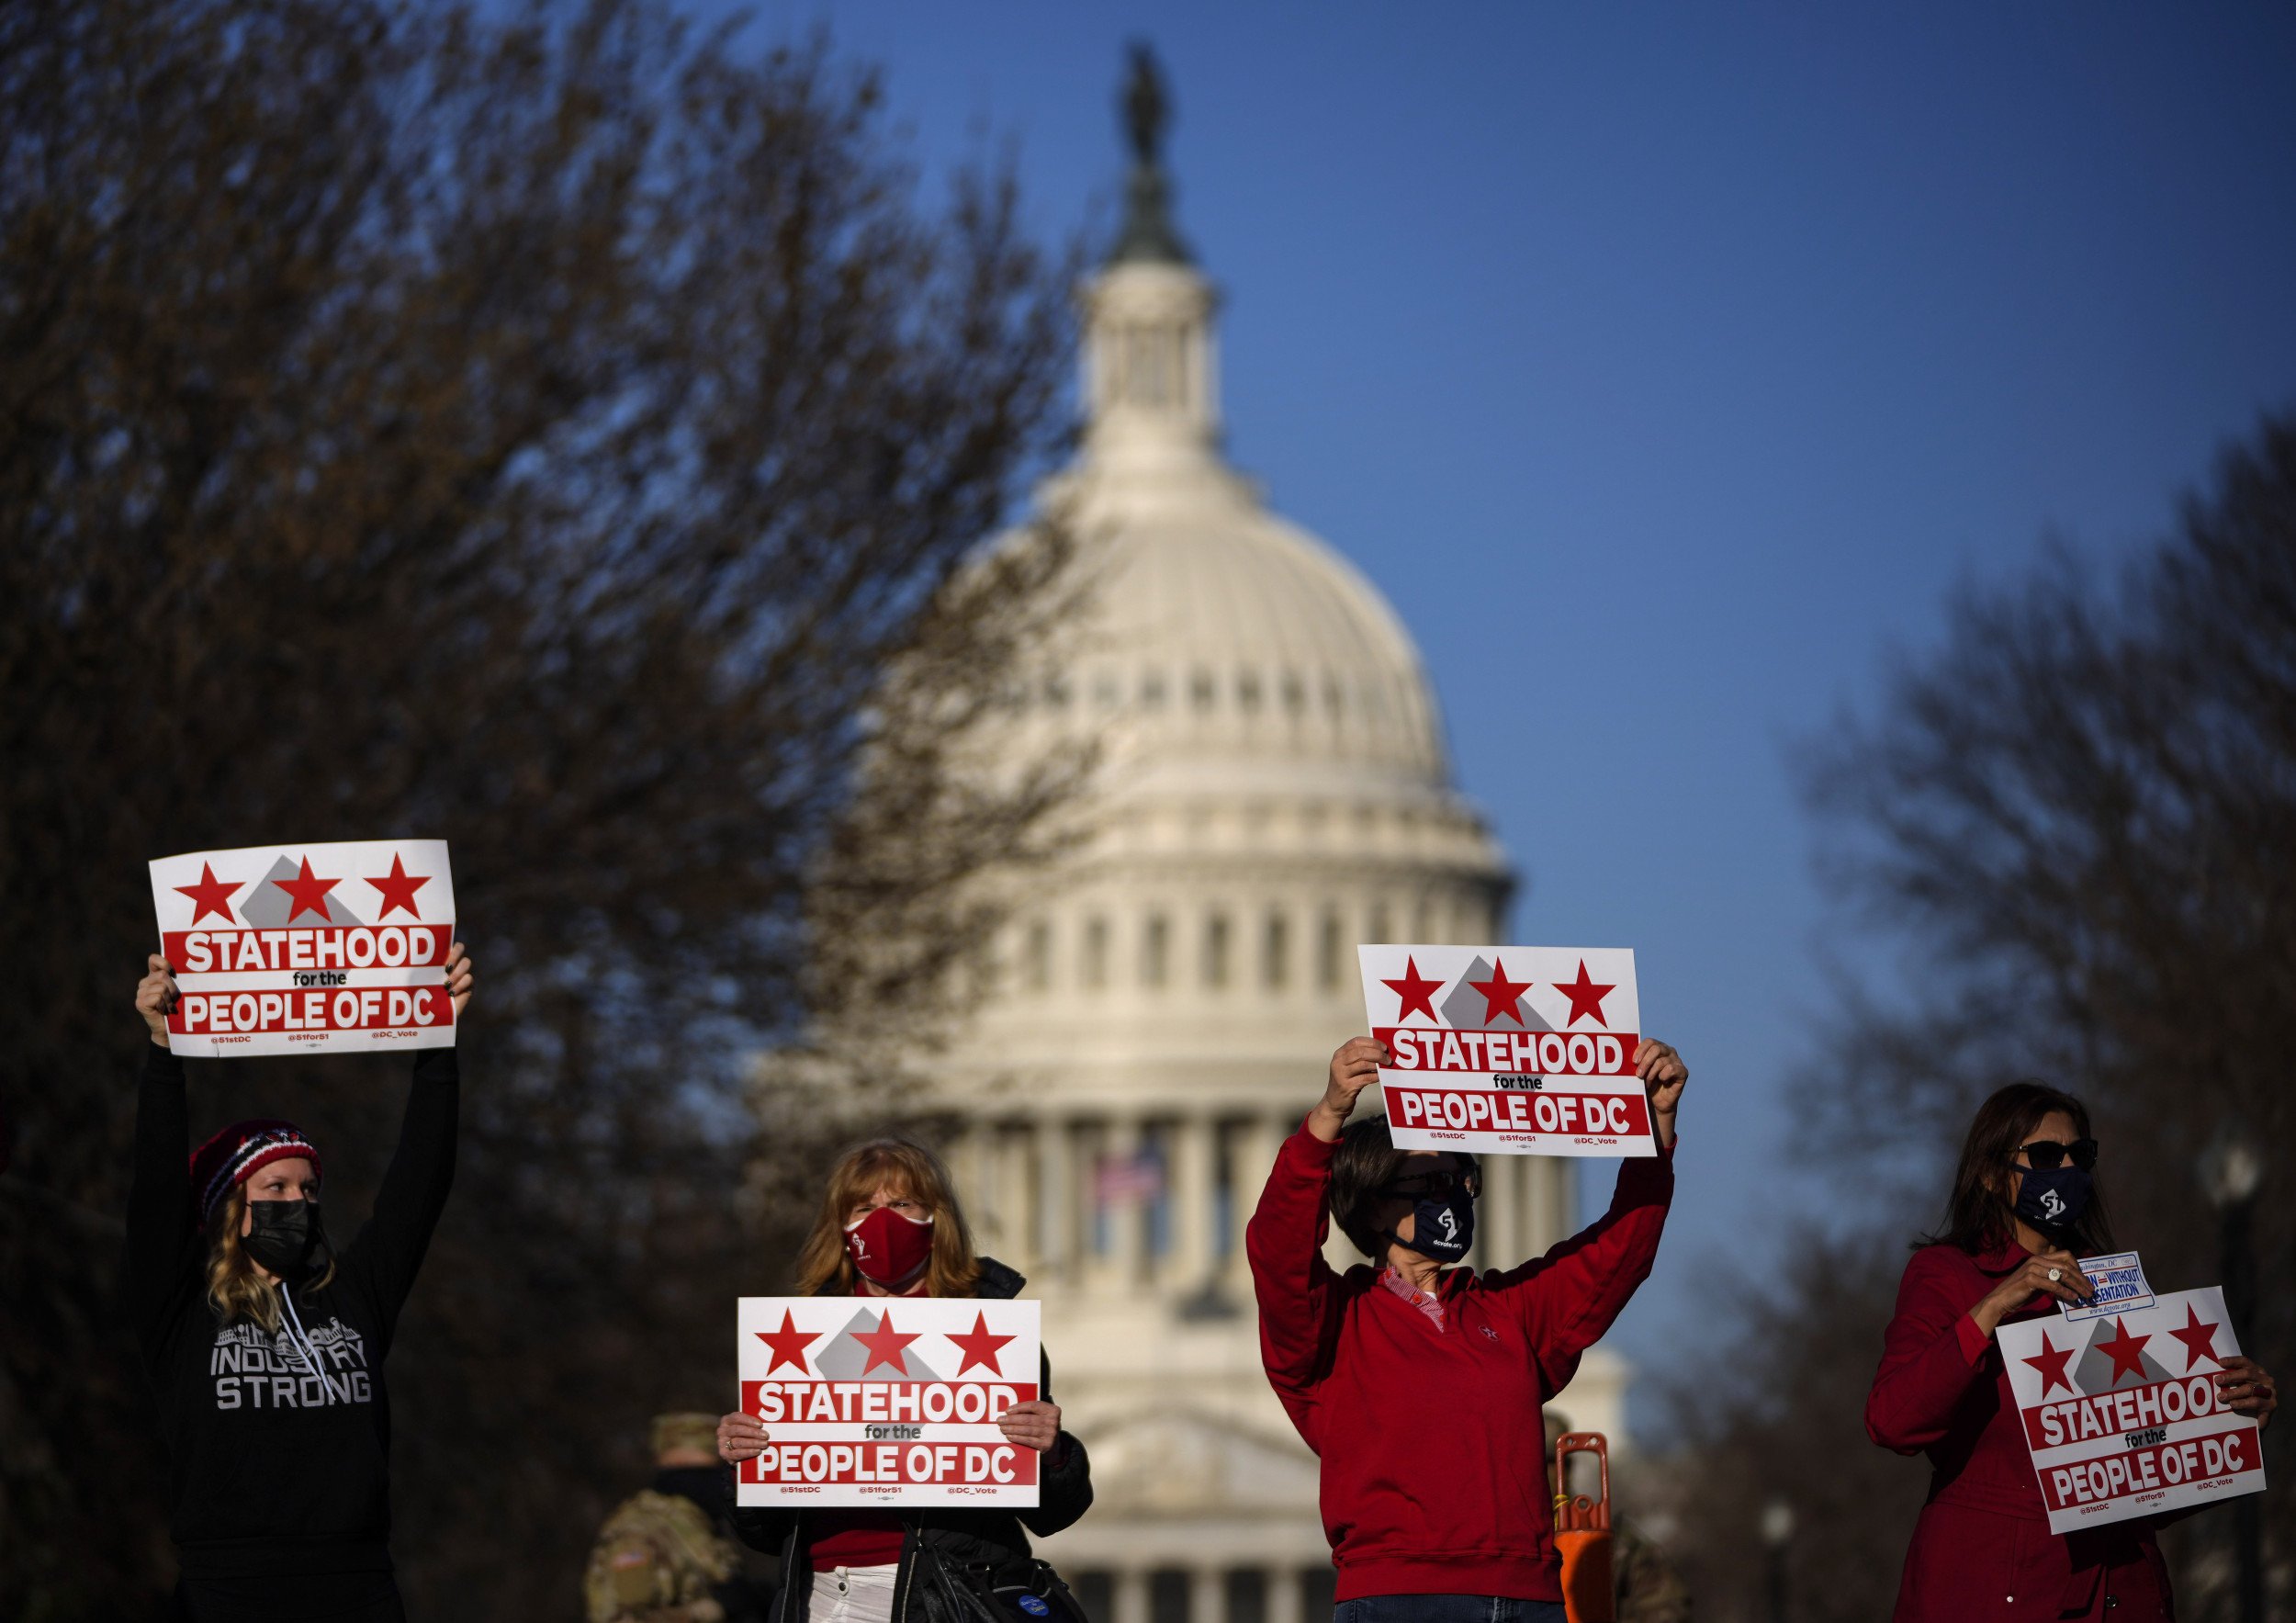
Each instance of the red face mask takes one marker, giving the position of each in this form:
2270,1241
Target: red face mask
887,1247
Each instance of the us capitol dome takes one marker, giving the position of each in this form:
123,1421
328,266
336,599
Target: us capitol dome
1275,788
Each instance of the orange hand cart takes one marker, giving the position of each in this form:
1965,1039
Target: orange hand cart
1582,1533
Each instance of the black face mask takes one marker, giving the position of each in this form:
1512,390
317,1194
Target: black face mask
2053,1198
287,1238
1443,1228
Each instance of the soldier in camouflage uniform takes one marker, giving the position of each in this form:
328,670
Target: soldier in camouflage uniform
1649,1590
664,1556
1646,1586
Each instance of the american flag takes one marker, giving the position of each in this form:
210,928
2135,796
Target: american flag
1127,1180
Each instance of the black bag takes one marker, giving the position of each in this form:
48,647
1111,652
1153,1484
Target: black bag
945,1588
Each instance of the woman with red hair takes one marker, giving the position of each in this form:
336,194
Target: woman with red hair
889,1225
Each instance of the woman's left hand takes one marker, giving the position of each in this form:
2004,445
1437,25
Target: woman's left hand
1663,1078
1034,1425
2248,1389
459,977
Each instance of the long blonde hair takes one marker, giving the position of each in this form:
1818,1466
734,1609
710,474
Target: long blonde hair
234,1288
911,1170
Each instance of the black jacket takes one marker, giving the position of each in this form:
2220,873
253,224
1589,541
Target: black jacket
999,1537
277,1470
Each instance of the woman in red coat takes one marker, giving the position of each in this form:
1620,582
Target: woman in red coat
2024,1205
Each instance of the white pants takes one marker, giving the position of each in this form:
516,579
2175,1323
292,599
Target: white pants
852,1595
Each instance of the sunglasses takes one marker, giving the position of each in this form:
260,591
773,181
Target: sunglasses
2045,1154
1420,1185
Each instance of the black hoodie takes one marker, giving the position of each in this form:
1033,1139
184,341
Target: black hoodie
278,1445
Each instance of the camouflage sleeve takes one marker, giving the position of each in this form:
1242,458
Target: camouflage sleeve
626,1579
1649,1589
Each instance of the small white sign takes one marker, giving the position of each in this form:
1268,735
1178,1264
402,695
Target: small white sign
2120,1287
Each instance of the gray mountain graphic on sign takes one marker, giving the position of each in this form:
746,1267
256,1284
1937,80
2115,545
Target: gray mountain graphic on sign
1464,1008
267,905
2093,1370
846,1357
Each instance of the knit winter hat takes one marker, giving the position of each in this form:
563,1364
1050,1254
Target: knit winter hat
236,1154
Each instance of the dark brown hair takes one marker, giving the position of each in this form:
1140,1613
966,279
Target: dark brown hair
1977,1214
1366,1162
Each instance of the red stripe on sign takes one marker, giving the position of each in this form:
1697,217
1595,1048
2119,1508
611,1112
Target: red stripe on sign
314,1009
1477,1110
903,1402
894,1463
1539,1054
2150,1470
2132,1408
316,947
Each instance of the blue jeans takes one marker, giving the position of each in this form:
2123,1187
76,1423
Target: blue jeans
1446,1608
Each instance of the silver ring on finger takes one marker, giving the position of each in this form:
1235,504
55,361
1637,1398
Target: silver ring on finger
2056,1274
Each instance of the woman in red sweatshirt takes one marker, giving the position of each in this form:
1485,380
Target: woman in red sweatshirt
1436,1522
2023,1206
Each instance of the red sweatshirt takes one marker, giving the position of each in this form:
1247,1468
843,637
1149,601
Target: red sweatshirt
1433,1448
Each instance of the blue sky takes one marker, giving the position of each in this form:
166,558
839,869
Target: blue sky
1668,367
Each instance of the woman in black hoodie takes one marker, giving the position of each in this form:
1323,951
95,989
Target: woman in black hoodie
890,1226
264,1347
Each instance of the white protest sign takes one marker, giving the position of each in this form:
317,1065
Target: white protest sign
2120,1287
2122,1411
1509,1050
887,1400
303,949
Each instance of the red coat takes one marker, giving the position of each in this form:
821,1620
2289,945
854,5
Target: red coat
1433,1448
1982,1549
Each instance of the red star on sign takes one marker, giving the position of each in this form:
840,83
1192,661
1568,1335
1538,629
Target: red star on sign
2199,1340
309,894
211,896
2051,1363
2126,1351
979,1346
885,1344
1499,994
1586,996
397,889
789,1344
1416,990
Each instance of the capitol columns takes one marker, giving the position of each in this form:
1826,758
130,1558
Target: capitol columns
1286,1604
1552,1188
1256,1140
1193,1153
1502,1205
1207,1595
1130,1585
968,1167
1121,1264
1055,1237
1020,1189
